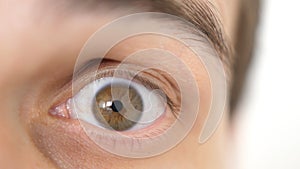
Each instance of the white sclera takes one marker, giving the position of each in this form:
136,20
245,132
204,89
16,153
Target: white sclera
153,103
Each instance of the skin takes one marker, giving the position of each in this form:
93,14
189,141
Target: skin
38,55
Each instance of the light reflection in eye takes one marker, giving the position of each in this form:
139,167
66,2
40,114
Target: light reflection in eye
119,104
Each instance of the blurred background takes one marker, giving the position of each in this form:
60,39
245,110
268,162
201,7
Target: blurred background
268,121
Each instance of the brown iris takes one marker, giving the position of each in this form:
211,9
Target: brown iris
118,106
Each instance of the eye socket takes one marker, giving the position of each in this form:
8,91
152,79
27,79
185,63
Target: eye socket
116,103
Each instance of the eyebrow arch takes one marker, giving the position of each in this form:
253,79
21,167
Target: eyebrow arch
204,16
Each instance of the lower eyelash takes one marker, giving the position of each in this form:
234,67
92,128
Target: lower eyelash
132,140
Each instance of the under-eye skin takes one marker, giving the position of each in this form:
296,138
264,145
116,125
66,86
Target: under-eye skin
119,101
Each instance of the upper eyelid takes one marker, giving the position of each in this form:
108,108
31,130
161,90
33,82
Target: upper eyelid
94,65
90,73
88,65
92,68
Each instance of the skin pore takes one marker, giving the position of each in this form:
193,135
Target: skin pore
40,41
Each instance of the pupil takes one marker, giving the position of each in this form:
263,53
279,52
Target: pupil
117,106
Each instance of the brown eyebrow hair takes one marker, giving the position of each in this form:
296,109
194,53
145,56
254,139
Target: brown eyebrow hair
204,16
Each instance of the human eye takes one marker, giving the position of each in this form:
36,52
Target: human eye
124,100
127,109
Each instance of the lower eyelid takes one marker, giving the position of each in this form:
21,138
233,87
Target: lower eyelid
158,127
61,139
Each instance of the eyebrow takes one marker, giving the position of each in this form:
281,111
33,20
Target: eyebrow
204,16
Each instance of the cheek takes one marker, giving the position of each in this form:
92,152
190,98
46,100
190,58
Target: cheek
16,148
68,147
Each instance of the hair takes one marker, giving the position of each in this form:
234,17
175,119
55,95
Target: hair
243,47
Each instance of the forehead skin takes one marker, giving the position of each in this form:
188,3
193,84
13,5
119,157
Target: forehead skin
35,46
